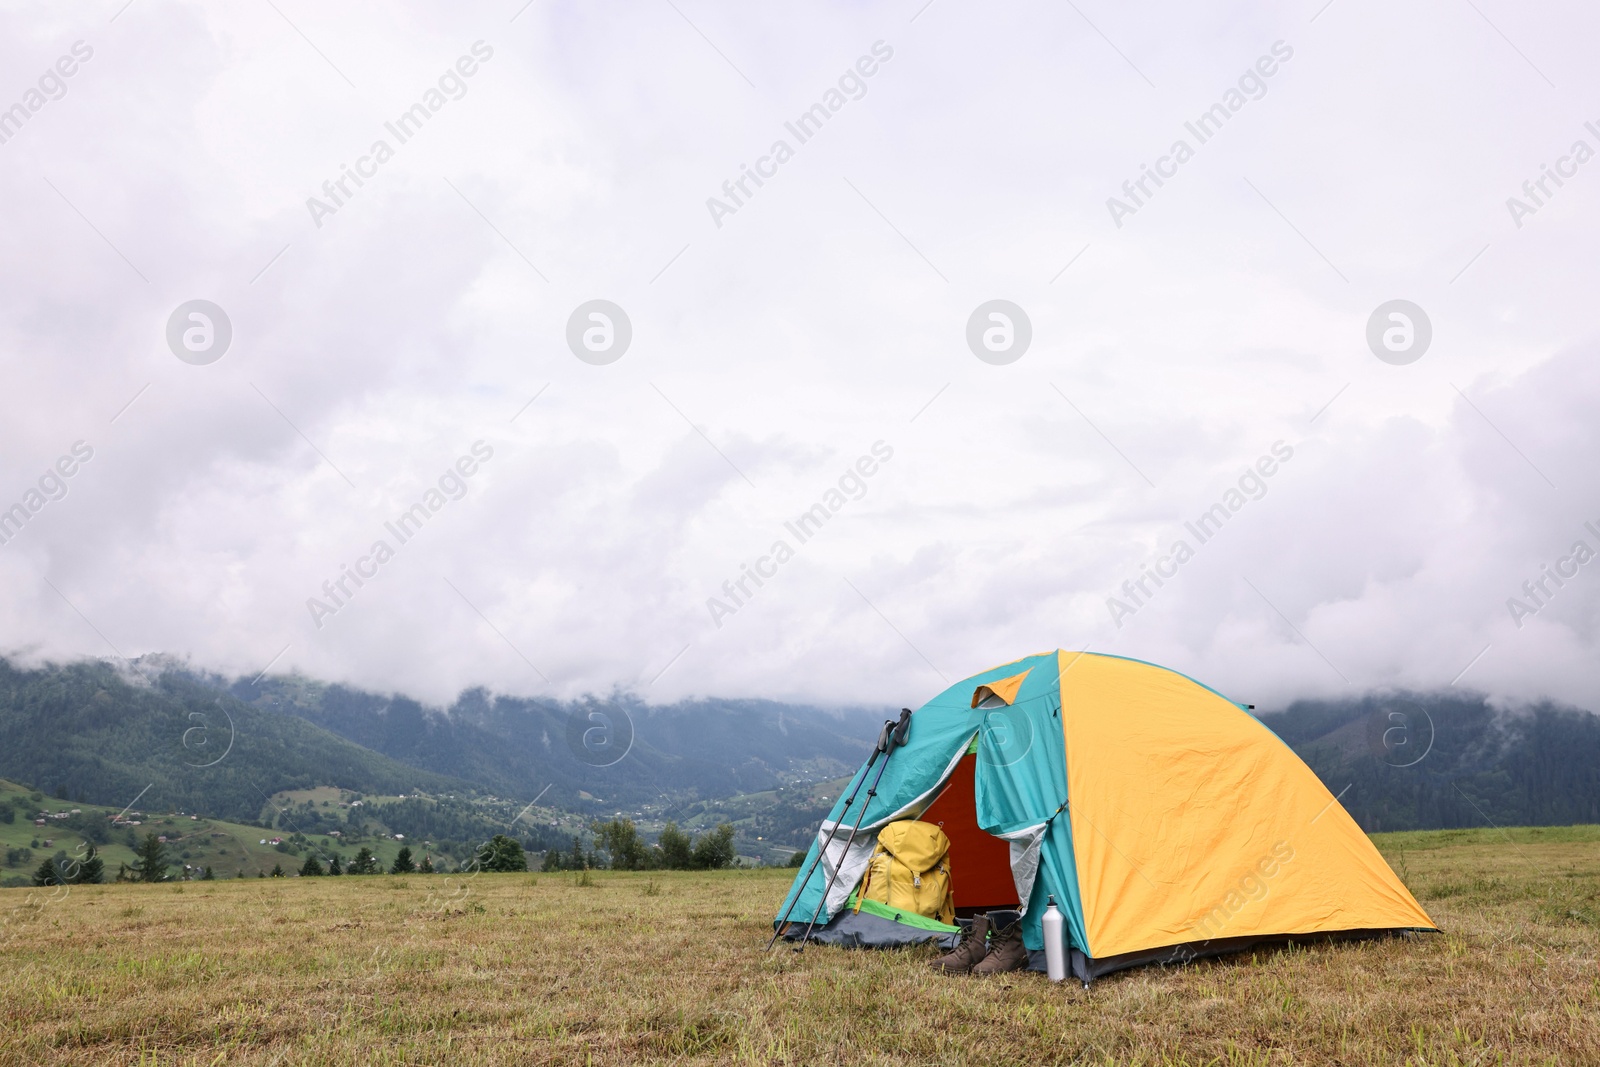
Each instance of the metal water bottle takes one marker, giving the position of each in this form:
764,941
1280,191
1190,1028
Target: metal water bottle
1055,944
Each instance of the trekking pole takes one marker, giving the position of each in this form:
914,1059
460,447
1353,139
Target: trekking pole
866,769
891,739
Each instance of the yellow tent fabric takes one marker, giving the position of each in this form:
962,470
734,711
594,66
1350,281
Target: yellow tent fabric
1004,688
1191,821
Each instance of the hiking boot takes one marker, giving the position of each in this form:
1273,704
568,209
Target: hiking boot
971,950
1006,951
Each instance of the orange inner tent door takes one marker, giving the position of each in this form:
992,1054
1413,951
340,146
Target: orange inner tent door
980,863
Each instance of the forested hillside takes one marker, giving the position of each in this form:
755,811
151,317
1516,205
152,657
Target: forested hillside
592,753
1441,761
201,743
86,732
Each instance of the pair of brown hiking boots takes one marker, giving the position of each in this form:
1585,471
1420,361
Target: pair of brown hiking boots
976,955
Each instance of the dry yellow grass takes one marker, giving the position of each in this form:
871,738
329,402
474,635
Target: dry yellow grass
503,969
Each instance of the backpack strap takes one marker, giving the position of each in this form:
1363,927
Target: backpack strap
861,891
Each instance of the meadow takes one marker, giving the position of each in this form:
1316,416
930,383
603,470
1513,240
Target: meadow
603,967
231,849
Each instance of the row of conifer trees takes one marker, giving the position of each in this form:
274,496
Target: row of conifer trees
621,842
364,863
151,864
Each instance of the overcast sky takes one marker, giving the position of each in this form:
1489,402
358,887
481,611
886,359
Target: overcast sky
1179,337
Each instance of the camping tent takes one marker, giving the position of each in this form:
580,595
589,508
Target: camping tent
1166,820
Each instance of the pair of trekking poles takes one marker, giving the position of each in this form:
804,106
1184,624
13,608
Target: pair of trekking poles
893,736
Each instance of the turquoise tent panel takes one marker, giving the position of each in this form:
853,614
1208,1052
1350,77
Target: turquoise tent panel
1043,677
1021,782
914,771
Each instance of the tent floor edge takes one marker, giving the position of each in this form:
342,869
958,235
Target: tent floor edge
1086,969
851,929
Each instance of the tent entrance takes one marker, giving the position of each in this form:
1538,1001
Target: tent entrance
980,863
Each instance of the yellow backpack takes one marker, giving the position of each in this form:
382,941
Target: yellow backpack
908,871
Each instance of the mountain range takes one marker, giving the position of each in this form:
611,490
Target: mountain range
1420,761
194,741
200,742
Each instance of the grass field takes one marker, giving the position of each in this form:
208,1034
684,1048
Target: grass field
502,969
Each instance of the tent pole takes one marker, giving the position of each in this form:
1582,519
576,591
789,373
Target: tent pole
894,735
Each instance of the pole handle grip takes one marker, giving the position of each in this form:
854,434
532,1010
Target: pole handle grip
903,727
885,736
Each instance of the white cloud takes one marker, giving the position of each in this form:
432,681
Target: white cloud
775,350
